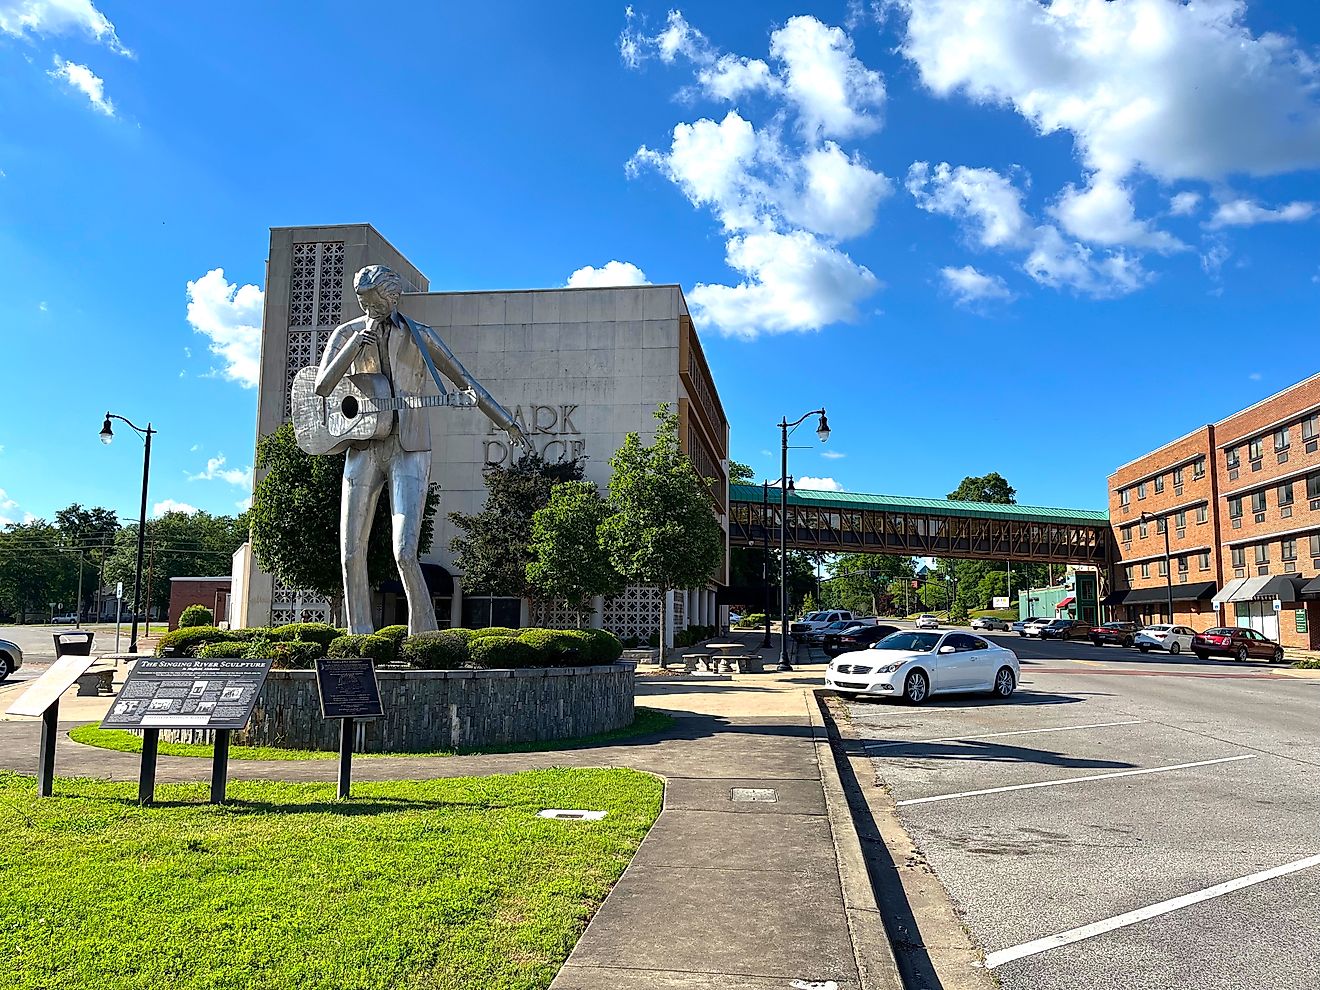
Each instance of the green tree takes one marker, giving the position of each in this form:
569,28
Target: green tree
809,604
971,575
568,560
494,545
178,544
295,518
741,474
992,487
863,581
91,532
662,530
35,570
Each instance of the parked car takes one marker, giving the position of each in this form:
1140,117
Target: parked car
1173,639
989,622
1020,625
928,621
814,637
855,637
1032,627
914,664
1121,633
814,621
11,658
1065,629
1234,641
735,618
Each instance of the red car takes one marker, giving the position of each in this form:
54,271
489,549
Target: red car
1234,641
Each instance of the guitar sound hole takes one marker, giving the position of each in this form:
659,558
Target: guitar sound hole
349,407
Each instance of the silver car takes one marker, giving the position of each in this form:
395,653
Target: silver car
11,658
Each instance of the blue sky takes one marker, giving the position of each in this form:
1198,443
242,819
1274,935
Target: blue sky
986,234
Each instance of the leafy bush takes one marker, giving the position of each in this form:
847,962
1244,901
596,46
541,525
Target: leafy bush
557,647
496,631
309,632
653,640
196,615
751,621
446,649
605,646
294,654
186,642
500,652
396,633
222,651
379,649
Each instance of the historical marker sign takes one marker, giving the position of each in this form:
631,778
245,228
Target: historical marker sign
46,689
188,693
348,688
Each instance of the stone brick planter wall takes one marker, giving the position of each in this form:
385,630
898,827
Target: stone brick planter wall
443,709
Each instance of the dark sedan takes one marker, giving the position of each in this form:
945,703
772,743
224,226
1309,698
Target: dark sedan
1065,629
855,638
1120,633
1234,641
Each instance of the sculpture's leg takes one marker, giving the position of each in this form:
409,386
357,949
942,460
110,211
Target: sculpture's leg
410,473
363,480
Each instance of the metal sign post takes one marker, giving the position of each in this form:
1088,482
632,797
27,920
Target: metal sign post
42,699
348,690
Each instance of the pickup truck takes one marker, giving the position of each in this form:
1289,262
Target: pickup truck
813,624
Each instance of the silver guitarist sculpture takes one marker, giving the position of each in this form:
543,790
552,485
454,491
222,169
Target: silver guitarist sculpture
366,400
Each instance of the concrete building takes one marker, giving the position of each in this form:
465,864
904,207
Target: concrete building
1241,500
579,368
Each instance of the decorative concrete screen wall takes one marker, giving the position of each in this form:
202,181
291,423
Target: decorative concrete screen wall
444,709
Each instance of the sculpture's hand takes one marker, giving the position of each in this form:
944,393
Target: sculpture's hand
518,437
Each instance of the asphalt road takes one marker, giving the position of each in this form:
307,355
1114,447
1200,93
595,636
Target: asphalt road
1233,790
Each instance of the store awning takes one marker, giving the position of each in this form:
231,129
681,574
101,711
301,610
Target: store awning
1228,591
1311,589
1249,588
1113,598
1065,603
1282,586
1148,596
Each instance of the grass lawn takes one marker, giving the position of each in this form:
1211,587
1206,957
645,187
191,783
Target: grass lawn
414,884
647,721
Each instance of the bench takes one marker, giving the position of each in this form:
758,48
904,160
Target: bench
96,682
692,660
752,663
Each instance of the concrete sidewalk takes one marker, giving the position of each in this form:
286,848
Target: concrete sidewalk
751,876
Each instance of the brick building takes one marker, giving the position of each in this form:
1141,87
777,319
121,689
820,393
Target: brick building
213,592
1239,503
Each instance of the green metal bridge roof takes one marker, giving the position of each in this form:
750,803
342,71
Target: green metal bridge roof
927,506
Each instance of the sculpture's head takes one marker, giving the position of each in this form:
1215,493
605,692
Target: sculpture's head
378,290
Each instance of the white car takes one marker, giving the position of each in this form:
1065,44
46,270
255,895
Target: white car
927,621
734,618
11,658
68,618
989,622
913,665
1171,639
1034,626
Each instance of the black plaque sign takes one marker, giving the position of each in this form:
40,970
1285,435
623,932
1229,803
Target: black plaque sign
348,688
187,693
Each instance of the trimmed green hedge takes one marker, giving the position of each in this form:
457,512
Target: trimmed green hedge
503,652
396,633
446,649
222,651
186,642
379,649
310,632
196,615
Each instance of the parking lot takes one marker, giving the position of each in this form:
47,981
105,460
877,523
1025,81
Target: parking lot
1122,821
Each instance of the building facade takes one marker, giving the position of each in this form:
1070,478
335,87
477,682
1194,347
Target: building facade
578,368
1239,503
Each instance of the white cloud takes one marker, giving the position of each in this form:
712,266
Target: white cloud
50,17
839,195
231,317
42,306
1103,214
1178,90
610,273
1215,254
793,281
985,200
818,484
971,286
1246,213
216,471
732,76
170,505
243,504
1055,262
1254,376
7,505
834,93
85,81
833,455
1184,204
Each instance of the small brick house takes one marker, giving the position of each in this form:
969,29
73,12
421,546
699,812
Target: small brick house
213,592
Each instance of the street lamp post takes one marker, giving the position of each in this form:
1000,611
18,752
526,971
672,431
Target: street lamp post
107,435
1168,562
765,553
785,428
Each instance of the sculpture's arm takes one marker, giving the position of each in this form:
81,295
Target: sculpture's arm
449,366
340,351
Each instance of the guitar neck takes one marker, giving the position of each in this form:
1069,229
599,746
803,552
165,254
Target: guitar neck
460,400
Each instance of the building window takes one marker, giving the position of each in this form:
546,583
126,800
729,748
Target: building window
1127,574
1180,520
1124,497
1141,529
1315,546
1203,560
1202,513
1161,524
1231,458
1198,468
1182,565
1286,493
1141,491
1255,450
1289,548
1313,485
1257,501
1262,553
1235,507
1239,557
1177,476
1127,534
1310,426
1281,439
1145,570
1164,567
1159,484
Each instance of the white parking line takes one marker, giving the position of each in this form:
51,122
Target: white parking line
877,744
1143,914
1074,780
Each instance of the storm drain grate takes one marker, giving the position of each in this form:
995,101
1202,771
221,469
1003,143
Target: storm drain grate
566,815
754,794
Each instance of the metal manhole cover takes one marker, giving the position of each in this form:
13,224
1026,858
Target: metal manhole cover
755,794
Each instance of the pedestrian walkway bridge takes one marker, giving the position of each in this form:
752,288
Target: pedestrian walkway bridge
844,522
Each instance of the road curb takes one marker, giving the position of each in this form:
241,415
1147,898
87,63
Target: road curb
877,967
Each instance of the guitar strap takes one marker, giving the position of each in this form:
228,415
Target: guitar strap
426,354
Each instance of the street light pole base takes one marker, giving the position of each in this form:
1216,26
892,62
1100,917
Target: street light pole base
784,665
